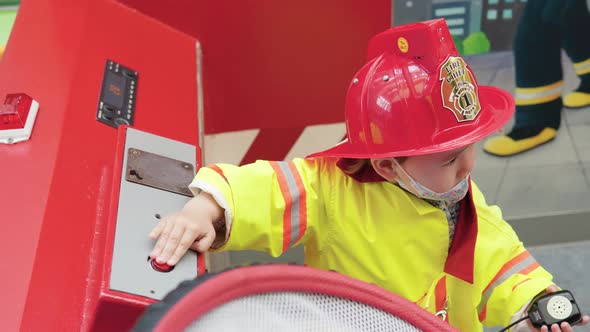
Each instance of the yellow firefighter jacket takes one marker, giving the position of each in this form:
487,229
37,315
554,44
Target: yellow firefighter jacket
379,233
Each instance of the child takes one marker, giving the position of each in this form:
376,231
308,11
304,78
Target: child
393,204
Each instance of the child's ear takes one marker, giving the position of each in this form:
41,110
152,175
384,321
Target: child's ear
386,168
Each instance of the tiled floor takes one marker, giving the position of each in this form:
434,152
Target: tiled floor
551,179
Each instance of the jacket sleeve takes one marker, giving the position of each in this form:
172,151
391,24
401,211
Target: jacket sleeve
515,284
510,275
269,206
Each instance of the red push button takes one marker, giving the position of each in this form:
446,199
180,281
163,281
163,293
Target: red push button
160,267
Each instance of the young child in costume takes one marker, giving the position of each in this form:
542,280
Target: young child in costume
393,204
544,28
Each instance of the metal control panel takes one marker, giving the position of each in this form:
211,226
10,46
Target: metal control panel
156,172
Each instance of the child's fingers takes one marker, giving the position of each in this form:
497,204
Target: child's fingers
158,229
205,242
163,239
185,242
566,327
552,289
172,242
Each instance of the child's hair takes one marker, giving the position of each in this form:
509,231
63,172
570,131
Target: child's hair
353,166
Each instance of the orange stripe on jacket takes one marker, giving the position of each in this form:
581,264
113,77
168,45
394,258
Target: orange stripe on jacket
218,170
288,201
440,295
302,201
520,283
525,255
521,257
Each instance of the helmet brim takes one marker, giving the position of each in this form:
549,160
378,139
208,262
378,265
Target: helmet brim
497,107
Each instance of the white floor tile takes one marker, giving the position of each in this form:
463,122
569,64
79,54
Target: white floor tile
485,161
484,75
532,191
575,117
488,181
504,79
490,60
581,139
560,151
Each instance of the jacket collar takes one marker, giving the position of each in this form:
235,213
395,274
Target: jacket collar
461,258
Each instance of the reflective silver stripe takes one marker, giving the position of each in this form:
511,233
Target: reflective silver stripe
514,270
295,194
521,93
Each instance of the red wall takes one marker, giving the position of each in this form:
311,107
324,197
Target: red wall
275,65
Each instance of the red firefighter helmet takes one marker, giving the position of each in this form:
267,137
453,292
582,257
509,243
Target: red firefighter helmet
417,96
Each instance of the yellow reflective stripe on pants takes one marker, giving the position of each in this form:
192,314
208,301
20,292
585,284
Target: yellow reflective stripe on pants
583,67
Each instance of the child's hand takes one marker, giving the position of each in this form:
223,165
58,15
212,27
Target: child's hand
565,327
192,227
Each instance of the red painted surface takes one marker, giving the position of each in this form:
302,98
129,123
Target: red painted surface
275,64
57,188
40,61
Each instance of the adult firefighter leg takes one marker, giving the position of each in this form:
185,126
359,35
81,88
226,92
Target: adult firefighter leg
537,62
575,27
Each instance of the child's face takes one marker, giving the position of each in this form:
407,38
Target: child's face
439,172
442,171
